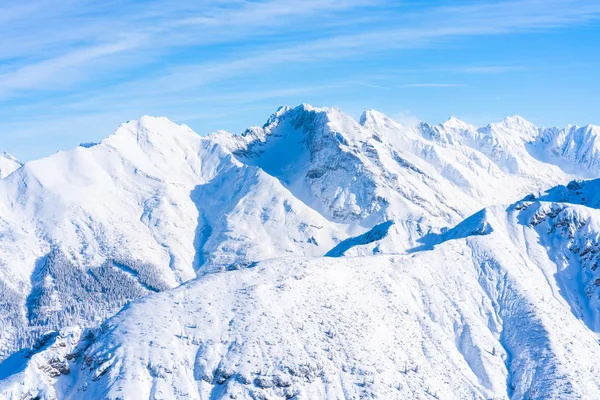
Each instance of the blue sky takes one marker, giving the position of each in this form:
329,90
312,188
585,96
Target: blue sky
72,71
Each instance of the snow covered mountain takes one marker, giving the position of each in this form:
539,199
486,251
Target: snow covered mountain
8,164
140,212
485,313
573,148
247,219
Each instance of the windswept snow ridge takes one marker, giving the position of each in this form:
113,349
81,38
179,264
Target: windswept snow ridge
8,164
439,282
379,232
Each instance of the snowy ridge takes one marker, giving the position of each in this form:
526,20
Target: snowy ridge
582,192
574,148
376,234
476,317
247,218
8,164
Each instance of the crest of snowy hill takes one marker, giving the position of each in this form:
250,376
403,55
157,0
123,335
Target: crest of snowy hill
85,231
8,164
503,305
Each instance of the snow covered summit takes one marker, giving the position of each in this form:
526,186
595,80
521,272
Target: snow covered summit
8,164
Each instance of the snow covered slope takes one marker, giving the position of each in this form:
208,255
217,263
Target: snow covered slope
490,158
139,212
86,231
482,314
574,148
8,164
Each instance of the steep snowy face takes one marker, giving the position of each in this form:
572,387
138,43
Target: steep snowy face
505,144
571,234
246,215
575,149
360,174
316,154
584,192
486,165
93,203
567,219
8,164
365,173
451,132
84,231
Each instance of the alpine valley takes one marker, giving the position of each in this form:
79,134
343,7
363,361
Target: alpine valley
314,257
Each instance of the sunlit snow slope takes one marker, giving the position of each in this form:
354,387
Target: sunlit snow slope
482,314
430,286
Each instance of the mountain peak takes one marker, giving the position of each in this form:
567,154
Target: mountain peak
8,164
516,120
374,119
594,129
148,130
10,157
455,123
512,128
282,110
285,112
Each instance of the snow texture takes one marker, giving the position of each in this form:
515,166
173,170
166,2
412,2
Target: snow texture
462,262
8,164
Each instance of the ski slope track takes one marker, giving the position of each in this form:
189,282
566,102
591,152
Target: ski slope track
314,257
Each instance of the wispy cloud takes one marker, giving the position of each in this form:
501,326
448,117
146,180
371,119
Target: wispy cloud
52,41
81,57
82,34
432,85
54,72
369,85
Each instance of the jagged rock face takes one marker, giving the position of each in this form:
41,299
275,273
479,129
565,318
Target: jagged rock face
84,232
308,150
568,221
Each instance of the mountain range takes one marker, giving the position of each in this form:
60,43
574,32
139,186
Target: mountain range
314,257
